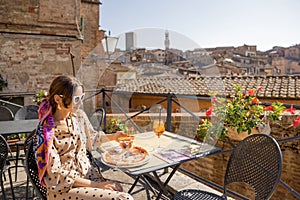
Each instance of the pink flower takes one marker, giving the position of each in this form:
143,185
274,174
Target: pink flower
296,122
209,111
214,100
291,110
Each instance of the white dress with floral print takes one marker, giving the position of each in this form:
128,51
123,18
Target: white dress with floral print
68,161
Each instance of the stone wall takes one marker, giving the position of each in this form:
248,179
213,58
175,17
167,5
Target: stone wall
43,39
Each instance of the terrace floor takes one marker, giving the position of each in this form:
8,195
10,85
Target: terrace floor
141,192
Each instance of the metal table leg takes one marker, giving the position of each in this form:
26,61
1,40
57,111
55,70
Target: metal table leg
148,184
134,184
137,178
162,186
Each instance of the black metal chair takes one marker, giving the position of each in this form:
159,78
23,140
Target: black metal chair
27,112
94,162
6,114
32,170
96,118
4,150
257,160
24,113
27,142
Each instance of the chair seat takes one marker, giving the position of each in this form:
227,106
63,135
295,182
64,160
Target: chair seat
196,195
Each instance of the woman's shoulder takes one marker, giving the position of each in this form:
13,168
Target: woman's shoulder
80,113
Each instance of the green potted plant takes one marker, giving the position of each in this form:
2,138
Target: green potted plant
116,124
242,113
39,96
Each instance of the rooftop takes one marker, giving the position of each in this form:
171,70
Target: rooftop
275,87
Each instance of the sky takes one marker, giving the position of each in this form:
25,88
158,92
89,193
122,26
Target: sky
204,23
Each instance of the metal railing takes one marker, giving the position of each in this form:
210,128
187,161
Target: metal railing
10,103
170,99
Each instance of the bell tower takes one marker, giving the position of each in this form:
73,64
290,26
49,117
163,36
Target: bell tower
167,46
167,40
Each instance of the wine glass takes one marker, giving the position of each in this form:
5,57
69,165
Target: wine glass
158,129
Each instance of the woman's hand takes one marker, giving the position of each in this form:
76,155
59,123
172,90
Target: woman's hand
110,185
119,134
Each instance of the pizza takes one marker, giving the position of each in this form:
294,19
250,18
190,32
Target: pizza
134,157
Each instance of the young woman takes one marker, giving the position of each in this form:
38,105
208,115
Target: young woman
64,167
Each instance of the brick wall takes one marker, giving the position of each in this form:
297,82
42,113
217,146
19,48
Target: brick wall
31,63
37,37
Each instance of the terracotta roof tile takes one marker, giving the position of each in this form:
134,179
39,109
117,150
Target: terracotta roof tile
287,87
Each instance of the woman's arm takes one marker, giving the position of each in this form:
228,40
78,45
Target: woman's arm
109,185
113,137
95,138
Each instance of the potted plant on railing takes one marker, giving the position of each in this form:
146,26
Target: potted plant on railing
242,114
116,124
39,96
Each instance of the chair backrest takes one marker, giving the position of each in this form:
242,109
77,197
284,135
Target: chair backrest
28,140
4,150
257,160
32,171
27,112
6,114
96,118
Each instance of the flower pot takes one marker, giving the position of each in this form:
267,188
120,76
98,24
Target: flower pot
12,144
9,141
234,135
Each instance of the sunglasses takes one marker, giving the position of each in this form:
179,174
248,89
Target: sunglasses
76,99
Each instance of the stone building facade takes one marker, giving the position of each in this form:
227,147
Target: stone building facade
43,39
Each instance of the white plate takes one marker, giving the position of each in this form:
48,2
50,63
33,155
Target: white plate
146,135
137,164
125,165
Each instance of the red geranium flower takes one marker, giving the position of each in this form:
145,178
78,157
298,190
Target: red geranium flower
209,111
255,100
291,110
259,88
269,108
251,92
201,121
296,122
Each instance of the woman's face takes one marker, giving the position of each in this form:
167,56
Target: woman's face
77,99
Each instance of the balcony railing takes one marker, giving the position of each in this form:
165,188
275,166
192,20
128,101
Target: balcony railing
169,100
